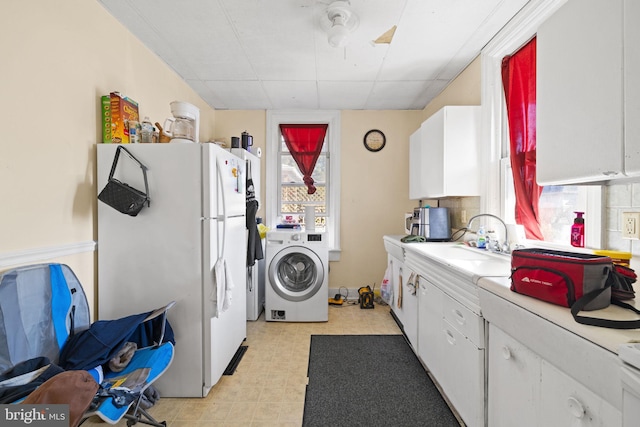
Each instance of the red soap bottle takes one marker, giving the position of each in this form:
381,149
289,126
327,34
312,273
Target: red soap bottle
577,231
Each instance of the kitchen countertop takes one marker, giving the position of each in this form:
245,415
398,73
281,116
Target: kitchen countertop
491,272
608,338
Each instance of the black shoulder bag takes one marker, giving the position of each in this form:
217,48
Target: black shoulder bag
121,196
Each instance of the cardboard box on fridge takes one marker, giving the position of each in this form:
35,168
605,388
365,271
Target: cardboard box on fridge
123,110
105,106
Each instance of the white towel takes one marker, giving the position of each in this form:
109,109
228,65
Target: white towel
221,295
217,293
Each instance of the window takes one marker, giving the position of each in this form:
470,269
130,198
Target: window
294,197
557,203
286,192
556,209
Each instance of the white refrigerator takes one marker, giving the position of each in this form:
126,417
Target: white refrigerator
255,273
169,250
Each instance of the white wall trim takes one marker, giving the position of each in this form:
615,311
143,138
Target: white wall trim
274,118
39,255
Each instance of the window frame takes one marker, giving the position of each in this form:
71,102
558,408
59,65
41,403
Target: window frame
272,188
324,157
494,153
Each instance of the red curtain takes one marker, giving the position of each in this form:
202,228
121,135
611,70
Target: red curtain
519,82
304,142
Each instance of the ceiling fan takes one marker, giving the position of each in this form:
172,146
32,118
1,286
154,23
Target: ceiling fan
340,21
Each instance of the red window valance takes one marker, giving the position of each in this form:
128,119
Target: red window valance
304,142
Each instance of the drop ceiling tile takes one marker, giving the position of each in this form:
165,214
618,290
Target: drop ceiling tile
292,61
241,95
344,95
294,95
395,95
207,93
355,62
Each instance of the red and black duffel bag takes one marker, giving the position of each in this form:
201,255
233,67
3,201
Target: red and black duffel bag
576,280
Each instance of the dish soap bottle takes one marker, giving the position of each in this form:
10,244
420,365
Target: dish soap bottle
482,239
577,231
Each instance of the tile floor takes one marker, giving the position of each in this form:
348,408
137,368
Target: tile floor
268,387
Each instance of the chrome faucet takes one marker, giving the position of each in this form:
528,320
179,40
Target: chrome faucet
504,247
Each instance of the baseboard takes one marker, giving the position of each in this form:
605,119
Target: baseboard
38,255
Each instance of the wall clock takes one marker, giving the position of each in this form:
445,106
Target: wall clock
374,140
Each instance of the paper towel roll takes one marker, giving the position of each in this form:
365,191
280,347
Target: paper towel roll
310,218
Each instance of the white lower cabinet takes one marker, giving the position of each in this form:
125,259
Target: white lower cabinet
564,401
527,390
430,326
462,379
404,304
450,348
514,382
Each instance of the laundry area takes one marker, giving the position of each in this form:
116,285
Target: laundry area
320,212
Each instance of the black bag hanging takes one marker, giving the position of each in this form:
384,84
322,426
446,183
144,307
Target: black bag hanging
121,196
254,244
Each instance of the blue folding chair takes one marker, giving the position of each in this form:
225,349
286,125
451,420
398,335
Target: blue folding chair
45,327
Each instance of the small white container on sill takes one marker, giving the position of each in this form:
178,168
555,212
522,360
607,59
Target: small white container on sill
310,218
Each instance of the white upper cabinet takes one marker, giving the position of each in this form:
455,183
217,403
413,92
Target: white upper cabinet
580,92
443,154
632,87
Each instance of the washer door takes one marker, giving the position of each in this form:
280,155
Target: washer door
296,273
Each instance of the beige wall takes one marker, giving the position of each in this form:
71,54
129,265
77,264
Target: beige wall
233,123
464,90
374,194
58,59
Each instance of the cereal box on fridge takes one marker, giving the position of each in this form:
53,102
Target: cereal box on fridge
123,110
105,106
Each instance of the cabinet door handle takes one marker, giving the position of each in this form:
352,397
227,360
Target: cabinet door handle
506,352
458,316
575,407
450,337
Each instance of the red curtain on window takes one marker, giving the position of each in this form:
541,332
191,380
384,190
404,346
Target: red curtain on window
519,82
304,142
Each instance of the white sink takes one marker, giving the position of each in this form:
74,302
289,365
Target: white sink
463,252
471,261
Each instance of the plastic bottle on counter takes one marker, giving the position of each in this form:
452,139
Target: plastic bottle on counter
134,131
481,238
146,131
577,231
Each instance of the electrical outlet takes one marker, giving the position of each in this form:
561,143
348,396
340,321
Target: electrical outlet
631,225
463,216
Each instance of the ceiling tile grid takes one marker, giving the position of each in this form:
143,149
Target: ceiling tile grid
268,54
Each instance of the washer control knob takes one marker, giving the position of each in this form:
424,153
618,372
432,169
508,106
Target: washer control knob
295,237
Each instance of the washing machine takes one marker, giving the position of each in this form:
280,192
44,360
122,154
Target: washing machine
296,276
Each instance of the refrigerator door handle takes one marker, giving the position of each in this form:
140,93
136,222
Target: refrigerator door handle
222,218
